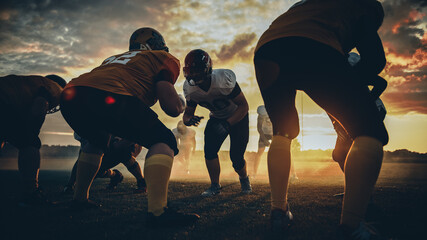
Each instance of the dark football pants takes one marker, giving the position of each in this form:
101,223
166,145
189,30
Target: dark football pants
325,76
239,137
93,118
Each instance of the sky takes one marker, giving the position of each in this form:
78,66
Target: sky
68,38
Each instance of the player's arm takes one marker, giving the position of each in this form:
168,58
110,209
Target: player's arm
380,84
239,99
189,118
167,95
259,128
372,54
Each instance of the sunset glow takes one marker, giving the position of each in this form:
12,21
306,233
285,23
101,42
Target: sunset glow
68,40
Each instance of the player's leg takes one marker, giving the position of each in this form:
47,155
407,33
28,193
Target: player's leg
213,142
144,128
239,137
134,168
69,188
279,100
351,105
258,155
84,110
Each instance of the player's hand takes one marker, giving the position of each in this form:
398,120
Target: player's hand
194,121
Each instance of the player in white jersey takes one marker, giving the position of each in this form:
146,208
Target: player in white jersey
186,140
218,91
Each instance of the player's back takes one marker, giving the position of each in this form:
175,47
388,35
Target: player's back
131,73
19,91
332,22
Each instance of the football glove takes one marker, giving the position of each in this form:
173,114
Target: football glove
194,121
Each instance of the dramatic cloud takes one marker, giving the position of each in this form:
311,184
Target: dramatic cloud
405,41
242,46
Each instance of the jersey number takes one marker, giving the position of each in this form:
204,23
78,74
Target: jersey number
123,59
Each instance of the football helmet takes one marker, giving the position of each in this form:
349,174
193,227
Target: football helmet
147,39
198,67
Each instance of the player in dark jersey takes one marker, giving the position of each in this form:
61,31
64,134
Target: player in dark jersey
115,99
284,64
218,91
24,103
119,151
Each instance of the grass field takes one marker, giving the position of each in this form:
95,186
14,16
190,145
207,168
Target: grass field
401,194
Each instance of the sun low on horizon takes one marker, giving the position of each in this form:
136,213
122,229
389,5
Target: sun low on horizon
60,37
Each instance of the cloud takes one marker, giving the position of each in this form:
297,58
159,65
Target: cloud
37,34
242,46
404,38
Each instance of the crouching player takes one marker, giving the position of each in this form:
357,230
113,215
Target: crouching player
120,151
115,99
284,64
218,91
24,103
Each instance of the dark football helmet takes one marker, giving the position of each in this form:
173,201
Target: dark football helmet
198,67
147,39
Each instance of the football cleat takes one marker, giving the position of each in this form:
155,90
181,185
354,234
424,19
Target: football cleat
214,189
76,205
281,220
245,185
365,231
115,180
171,218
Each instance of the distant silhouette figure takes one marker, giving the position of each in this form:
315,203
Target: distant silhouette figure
265,130
186,139
24,103
287,59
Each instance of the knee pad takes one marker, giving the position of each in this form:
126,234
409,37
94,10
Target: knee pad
238,164
280,142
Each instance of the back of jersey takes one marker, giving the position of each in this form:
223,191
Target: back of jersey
131,73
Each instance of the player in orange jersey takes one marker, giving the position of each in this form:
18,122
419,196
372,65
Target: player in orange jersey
115,99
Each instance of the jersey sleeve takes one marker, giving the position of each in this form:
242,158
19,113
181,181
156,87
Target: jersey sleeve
170,70
228,82
187,95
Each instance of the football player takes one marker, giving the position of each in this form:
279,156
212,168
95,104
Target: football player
120,151
186,139
284,64
115,98
265,130
24,103
218,91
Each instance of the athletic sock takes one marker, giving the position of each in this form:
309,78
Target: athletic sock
157,170
279,165
87,167
362,168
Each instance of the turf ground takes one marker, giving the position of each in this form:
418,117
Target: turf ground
401,195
